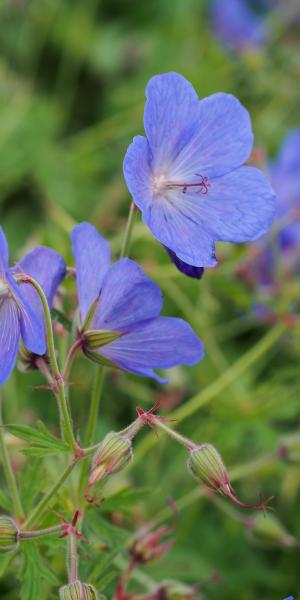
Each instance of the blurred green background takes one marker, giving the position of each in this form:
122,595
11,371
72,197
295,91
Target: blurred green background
72,80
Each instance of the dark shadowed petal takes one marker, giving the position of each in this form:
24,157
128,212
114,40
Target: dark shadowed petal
128,296
179,225
48,269
137,172
239,207
171,114
222,141
9,336
160,343
189,270
32,324
92,257
3,253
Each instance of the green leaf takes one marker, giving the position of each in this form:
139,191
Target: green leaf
34,573
125,499
4,501
41,440
5,559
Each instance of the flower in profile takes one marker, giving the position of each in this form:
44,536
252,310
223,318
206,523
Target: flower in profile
119,313
21,313
237,24
186,175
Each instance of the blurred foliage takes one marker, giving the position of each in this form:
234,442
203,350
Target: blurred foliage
72,78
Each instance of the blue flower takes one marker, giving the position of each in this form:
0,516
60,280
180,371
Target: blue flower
119,302
21,313
186,175
237,25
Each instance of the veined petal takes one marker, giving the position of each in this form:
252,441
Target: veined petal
137,171
92,256
239,207
222,141
171,114
178,225
128,296
3,253
9,336
160,343
32,325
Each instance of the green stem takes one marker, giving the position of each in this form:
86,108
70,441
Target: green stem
72,559
128,231
28,535
65,418
39,509
189,444
92,421
220,384
9,474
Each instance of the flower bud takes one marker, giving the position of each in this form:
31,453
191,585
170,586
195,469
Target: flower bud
270,532
113,455
206,465
175,590
9,535
78,591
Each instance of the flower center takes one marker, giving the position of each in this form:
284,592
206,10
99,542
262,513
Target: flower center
162,184
4,288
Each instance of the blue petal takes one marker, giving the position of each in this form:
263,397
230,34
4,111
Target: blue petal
92,256
285,172
31,325
221,142
3,253
239,206
189,270
47,267
288,159
128,296
170,117
160,343
137,172
9,336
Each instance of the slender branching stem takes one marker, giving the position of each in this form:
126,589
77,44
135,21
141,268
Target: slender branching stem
72,559
28,535
59,382
128,231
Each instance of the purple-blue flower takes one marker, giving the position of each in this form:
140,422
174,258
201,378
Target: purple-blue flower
186,175
237,25
120,299
21,313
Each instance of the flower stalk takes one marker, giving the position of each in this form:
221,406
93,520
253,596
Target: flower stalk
9,473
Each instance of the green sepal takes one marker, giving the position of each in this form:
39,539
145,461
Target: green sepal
97,338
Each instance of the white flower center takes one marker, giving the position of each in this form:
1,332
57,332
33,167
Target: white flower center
4,288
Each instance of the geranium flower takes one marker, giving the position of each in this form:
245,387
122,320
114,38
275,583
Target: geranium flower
186,175
237,25
119,312
21,313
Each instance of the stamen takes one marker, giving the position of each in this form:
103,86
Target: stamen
202,185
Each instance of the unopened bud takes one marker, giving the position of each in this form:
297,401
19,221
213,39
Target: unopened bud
270,532
78,591
112,456
206,465
9,535
175,590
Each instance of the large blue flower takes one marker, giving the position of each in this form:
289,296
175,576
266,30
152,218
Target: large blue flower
21,312
186,175
237,25
120,299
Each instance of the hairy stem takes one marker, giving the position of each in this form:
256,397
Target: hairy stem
65,418
28,535
72,559
9,474
128,231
